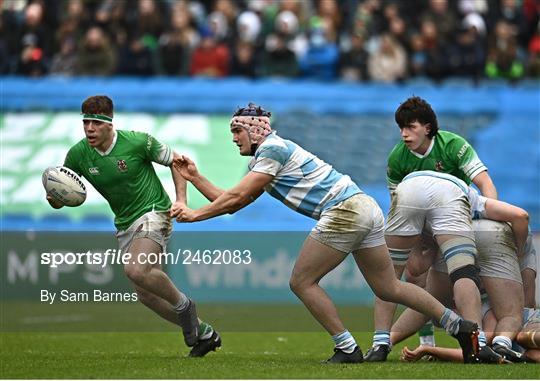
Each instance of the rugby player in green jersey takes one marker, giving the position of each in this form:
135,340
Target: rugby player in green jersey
424,148
118,164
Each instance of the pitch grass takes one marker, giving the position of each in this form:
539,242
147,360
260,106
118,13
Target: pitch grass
138,345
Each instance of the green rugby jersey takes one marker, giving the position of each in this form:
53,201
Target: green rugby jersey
448,153
124,175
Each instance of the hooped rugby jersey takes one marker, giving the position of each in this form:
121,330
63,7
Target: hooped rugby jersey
301,181
448,153
124,175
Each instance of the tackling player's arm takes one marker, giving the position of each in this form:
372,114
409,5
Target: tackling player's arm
519,219
230,201
188,170
485,185
180,185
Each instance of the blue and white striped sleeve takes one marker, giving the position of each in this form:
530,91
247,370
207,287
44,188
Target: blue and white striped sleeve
270,159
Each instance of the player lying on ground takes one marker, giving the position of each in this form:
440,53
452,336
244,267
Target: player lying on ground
423,147
348,221
528,338
118,164
501,279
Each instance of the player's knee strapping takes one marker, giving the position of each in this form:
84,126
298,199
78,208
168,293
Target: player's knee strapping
469,271
458,253
399,256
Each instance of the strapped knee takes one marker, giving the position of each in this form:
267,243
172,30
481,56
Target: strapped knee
399,256
458,253
469,271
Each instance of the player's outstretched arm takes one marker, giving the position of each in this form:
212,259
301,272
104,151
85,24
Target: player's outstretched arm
54,203
180,185
501,211
443,354
232,200
188,170
485,185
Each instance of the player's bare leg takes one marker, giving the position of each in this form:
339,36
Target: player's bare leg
506,301
384,311
159,291
377,269
315,261
529,287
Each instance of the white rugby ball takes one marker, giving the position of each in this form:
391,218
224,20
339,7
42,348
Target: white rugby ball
64,185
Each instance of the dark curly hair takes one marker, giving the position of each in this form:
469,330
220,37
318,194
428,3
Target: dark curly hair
98,104
417,109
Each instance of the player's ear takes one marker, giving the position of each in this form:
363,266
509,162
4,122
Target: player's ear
428,129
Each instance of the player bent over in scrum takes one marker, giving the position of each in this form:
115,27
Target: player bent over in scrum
348,221
501,279
438,202
118,164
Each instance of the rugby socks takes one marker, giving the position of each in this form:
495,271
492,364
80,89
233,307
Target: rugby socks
205,330
427,335
450,321
182,304
381,337
503,341
482,341
344,341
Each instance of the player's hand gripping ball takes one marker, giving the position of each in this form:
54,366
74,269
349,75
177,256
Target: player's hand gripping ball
64,185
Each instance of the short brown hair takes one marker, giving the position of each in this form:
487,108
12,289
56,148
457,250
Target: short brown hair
98,104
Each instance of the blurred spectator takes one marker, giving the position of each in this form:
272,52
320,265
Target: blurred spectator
248,27
434,51
388,63
444,18
243,60
502,59
65,61
466,55
34,42
177,44
418,58
353,64
287,27
533,65
321,59
278,60
210,58
96,55
135,58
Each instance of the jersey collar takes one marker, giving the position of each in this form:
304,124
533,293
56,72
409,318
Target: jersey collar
110,147
427,152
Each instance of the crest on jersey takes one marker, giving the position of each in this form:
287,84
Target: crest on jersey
439,166
122,166
93,171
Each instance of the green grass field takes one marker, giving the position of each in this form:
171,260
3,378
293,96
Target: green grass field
66,342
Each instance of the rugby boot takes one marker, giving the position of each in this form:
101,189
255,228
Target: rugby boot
467,336
378,353
486,355
204,346
510,354
341,357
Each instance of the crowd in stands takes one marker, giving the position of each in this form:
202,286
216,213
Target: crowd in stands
352,40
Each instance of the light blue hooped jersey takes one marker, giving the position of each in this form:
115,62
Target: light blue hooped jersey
301,181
